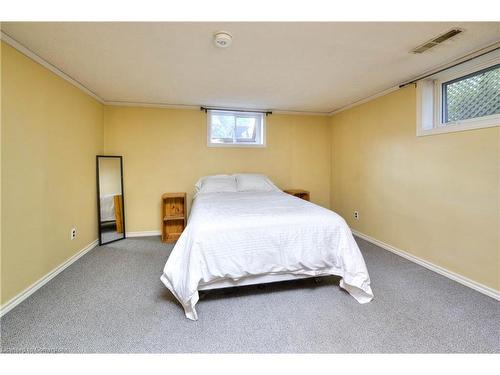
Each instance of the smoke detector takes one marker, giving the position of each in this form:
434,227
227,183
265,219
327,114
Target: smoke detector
222,39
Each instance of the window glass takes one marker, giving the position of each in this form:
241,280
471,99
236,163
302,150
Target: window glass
465,96
233,128
472,96
245,129
222,127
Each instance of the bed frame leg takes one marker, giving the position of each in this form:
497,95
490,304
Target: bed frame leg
318,280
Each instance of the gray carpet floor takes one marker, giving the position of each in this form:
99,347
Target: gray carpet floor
112,300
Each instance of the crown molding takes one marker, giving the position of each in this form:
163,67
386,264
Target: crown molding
299,113
476,53
450,64
33,56
365,100
118,103
197,107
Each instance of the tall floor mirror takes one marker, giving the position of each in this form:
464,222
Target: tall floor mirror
110,200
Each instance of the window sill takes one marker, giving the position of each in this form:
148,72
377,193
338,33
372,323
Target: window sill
459,127
235,145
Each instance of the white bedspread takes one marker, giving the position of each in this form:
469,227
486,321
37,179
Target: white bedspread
235,235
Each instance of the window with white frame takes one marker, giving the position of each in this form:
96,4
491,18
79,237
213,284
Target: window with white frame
460,98
235,128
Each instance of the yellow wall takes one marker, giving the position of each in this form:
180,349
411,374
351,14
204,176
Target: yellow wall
51,132
436,197
165,150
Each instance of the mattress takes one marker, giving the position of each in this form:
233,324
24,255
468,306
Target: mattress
233,236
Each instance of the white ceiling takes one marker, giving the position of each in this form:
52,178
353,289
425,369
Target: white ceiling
313,67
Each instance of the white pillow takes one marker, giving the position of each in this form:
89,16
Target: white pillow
254,182
216,184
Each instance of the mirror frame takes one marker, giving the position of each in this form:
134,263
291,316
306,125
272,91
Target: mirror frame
99,199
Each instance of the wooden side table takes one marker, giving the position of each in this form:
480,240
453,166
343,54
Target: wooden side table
299,193
173,215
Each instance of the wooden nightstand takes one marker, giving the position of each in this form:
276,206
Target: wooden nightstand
299,193
173,215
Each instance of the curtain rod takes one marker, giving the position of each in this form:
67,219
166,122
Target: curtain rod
233,110
448,67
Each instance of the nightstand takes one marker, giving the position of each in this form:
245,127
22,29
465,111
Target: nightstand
299,193
173,215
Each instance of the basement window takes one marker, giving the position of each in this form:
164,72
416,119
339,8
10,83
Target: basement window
461,98
235,129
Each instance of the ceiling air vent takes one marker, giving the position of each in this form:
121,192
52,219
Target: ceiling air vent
437,40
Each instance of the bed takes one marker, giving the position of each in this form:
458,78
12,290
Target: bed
253,233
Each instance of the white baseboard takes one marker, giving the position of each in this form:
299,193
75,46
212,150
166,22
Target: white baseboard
9,305
146,233
490,292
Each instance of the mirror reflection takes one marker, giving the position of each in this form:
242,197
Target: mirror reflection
110,199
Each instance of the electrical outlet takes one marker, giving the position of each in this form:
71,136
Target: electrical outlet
356,215
72,234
